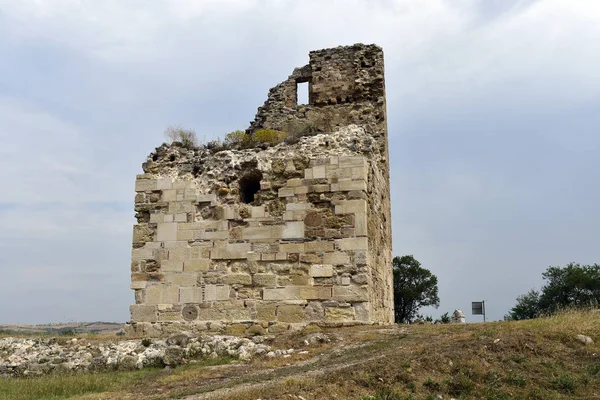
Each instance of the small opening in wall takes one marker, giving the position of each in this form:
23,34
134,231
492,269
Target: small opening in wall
249,186
302,92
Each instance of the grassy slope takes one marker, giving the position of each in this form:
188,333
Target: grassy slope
538,359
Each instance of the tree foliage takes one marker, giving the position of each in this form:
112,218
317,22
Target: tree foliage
414,287
572,286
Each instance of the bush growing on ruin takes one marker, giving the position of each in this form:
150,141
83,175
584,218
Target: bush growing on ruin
268,136
186,137
414,287
238,139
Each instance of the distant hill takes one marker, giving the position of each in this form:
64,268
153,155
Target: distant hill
61,329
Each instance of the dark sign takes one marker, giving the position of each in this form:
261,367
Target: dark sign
477,308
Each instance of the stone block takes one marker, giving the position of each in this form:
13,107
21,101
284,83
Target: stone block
180,217
143,313
167,231
164,184
298,293
258,212
257,232
359,173
346,186
290,314
224,314
182,184
266,311
285,192
293,230
350,293
336,258
318,247
168,195
206,198
142,253
156,218
135,285
216,292
238,279
298,206
308,173
339,314
301,190
171,266
321,271
318,172
142,233
360,224
186,235
292,247
162,294
352,161
145,185
351,206
190,295
347,244
345,280
362,312
196,265
269,280
181,278
178,207
232,251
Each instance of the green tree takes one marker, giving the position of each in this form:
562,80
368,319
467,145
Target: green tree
414,287
574,285
527,307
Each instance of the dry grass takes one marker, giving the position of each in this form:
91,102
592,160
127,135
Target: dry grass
537,359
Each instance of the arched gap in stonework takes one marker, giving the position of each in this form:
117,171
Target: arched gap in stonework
249,186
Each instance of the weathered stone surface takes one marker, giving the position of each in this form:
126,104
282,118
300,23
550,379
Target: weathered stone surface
236,234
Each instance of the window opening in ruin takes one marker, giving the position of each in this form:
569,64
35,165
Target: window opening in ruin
302,92
249,186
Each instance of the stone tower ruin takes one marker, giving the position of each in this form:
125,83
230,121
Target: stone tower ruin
272,238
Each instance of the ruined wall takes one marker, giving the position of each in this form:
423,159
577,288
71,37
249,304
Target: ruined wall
265,239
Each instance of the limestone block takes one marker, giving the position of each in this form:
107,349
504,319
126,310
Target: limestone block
346,186
168,195
145,185
178,207
352,161
318,247
297,206
182,184
229,212
190,295
142,233
258,212
186,235
351,206
143,313
171,266
292,247
180,217
167,231
266,311
206,198
233,251
222,292
214,235
257,232
142,253
135,285
359,173
293,230
359,243
321,271
298,293
294,182
360,224
164,184
362,311
238,279
301,190
345,280
162,294
350,293
308,173
181,278
290,314
190,194
169,218
334,160
285,192
339,314
156,218
336,258
320,188
318,172
196,265
264,280
221,314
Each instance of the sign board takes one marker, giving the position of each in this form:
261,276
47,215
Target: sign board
477,308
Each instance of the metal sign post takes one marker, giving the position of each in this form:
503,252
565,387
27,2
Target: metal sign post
478,308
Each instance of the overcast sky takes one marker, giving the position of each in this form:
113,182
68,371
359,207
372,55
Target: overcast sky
493,112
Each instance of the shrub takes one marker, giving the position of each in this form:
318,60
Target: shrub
186,137
565,383
238,139
268,136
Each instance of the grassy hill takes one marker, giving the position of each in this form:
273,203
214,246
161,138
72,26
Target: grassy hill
63,329
536,359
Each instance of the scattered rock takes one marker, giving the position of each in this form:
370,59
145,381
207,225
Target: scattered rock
584,339
316,338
